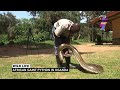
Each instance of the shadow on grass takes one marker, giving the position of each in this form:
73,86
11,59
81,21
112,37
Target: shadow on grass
78,67
106,43
86,52
16,50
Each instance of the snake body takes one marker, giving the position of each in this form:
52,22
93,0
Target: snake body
93,68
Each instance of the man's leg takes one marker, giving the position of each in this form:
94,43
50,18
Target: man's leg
68,63
67,59
59,63
57,44
67,56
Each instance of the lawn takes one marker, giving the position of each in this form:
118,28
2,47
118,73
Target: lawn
109,59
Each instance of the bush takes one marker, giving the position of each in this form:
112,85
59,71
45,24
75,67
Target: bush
46,35
4,39
20,39
11,43
41,36
1,43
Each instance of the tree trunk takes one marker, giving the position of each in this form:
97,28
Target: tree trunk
11,34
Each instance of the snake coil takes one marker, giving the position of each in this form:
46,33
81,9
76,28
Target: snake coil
93,68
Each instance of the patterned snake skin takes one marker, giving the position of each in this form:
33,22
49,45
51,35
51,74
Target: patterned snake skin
92,68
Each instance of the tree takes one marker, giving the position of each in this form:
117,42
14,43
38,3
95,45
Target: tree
89,15
11,25
7,23
46,19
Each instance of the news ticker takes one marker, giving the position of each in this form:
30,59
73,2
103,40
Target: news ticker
40,70
27,68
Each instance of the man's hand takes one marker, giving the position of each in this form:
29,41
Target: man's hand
66,54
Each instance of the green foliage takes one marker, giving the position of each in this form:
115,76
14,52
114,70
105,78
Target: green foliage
41,36
16,29
46,19
22,26
80,41
7,20
21,39
7,25
3,39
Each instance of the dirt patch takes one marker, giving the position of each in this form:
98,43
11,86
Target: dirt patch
15,51
96,48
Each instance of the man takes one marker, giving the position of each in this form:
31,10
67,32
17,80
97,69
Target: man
63,30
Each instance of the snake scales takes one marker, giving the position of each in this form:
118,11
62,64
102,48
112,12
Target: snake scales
93,68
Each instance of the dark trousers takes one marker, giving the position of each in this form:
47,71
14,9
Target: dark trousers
58,41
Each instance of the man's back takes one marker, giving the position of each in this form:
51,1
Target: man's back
62,22
62,26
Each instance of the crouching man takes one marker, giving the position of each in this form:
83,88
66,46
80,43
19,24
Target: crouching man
63,30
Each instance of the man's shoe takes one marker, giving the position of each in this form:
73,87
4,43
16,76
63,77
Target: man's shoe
72,66
61,65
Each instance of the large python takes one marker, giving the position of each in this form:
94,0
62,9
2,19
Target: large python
92,68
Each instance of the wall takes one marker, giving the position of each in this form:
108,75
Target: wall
116,31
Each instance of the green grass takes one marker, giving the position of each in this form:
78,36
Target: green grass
50,44
79,42
109,60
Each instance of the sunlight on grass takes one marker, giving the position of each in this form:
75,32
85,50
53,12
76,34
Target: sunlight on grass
110,60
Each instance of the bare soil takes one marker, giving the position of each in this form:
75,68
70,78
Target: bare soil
14,51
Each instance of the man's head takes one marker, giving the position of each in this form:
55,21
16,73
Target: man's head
75,28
